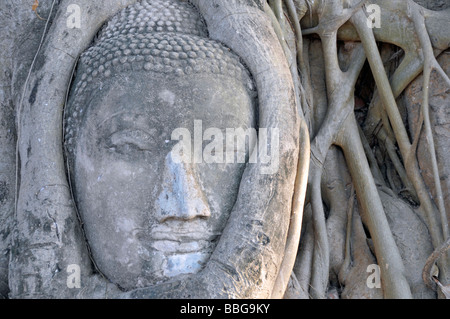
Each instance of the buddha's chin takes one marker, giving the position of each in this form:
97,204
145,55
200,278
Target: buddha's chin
151,262
185,263
163,267
172,255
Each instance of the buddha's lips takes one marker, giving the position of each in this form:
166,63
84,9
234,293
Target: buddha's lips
182,232
182,236
171,240
184,247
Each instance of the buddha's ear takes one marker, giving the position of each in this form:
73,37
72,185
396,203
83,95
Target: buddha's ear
261,219
44,196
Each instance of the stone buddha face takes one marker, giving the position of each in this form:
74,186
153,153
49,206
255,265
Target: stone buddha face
148,216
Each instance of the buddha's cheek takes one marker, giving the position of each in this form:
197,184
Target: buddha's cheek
122,187
114,205
115,202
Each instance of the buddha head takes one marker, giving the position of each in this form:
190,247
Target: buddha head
148,215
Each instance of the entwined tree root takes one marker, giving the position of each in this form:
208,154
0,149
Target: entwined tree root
384,122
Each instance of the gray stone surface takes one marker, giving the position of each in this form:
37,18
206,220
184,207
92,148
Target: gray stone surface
47,238
149,213
147,216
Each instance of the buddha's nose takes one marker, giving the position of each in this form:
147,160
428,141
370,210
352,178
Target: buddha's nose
182,197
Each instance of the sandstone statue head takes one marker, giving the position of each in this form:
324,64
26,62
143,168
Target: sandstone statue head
149,216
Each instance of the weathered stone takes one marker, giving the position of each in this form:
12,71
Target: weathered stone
151,214
155,51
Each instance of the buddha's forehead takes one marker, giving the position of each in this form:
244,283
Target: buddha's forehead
171,101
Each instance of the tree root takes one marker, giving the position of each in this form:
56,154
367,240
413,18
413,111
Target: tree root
430,64
426,273
334,129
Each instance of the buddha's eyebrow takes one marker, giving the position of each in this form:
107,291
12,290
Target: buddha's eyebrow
137,126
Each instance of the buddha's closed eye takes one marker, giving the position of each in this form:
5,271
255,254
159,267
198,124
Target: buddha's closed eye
132,139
